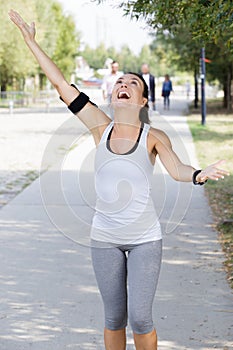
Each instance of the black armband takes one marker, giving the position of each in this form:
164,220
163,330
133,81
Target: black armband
79,102
194,178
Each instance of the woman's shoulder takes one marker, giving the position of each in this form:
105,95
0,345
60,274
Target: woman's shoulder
159,135
156,132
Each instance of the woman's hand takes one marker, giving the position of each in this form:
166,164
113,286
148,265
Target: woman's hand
28,31
212,172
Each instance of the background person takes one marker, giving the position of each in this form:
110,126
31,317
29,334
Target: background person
166,90
109,81
187,88
150,81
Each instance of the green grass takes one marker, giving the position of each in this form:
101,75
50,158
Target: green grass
214,142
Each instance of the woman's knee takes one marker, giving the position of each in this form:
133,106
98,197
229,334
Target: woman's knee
116,314
116,322
140,324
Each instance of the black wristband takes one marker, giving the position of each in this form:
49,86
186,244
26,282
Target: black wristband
196,172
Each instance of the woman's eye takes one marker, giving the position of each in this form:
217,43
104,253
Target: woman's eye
119,81
134,82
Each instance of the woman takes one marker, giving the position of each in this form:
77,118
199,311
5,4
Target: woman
166,90
126,235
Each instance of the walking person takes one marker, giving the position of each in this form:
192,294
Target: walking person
150,81
109,81
126,236
187,88
166,90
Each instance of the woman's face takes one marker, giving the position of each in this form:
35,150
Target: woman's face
128,90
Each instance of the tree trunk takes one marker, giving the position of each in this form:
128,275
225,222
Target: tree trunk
232,93
225,94
229,79
3,89
227,98
42,80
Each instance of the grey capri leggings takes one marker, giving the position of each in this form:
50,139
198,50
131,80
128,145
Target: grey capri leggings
140,265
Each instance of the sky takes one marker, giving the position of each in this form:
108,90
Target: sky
103,23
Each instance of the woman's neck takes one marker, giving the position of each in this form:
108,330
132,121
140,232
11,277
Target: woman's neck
126,127
126,117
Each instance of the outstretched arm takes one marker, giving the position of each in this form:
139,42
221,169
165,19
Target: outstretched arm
180,171
94,117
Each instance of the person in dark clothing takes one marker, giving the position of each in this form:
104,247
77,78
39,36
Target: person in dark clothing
166,90
150,81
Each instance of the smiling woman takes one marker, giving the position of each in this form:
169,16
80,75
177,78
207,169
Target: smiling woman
127,88
124,90
126,237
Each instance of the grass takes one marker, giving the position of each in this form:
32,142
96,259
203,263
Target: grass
213,142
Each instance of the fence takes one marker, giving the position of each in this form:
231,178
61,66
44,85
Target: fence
15,99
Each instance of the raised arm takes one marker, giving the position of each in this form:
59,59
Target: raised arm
91,116
180,171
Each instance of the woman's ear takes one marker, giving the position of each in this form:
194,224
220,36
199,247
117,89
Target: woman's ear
144,101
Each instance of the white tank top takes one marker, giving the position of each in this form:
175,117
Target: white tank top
125,212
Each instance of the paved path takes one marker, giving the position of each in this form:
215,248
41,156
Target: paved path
49,297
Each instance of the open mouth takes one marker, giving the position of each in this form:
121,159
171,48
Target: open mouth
123,95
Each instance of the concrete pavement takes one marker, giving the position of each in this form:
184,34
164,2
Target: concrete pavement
49,297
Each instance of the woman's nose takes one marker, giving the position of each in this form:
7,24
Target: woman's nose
123,85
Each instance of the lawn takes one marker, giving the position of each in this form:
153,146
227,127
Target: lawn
213,142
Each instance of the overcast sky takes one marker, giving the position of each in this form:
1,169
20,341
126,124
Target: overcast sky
102,23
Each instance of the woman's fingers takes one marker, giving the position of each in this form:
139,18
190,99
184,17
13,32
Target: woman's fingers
28,31
218,171
219,162
15,17
212,172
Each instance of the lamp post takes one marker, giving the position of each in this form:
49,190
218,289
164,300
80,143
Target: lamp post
203,101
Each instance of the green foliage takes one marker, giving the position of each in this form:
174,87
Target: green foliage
96,57
15,60
127,60
164,58
56,34
206,21
67,41
157,56
190,25
181,28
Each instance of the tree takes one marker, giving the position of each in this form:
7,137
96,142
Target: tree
184,53
56,34
95,57
67,41
205,22
163,56
127,60
15,60
46,32
221,68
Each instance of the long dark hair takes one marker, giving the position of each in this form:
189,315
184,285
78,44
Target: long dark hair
144,111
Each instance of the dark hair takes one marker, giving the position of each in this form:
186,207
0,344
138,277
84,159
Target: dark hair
144,111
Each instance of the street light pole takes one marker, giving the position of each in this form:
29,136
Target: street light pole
203,101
